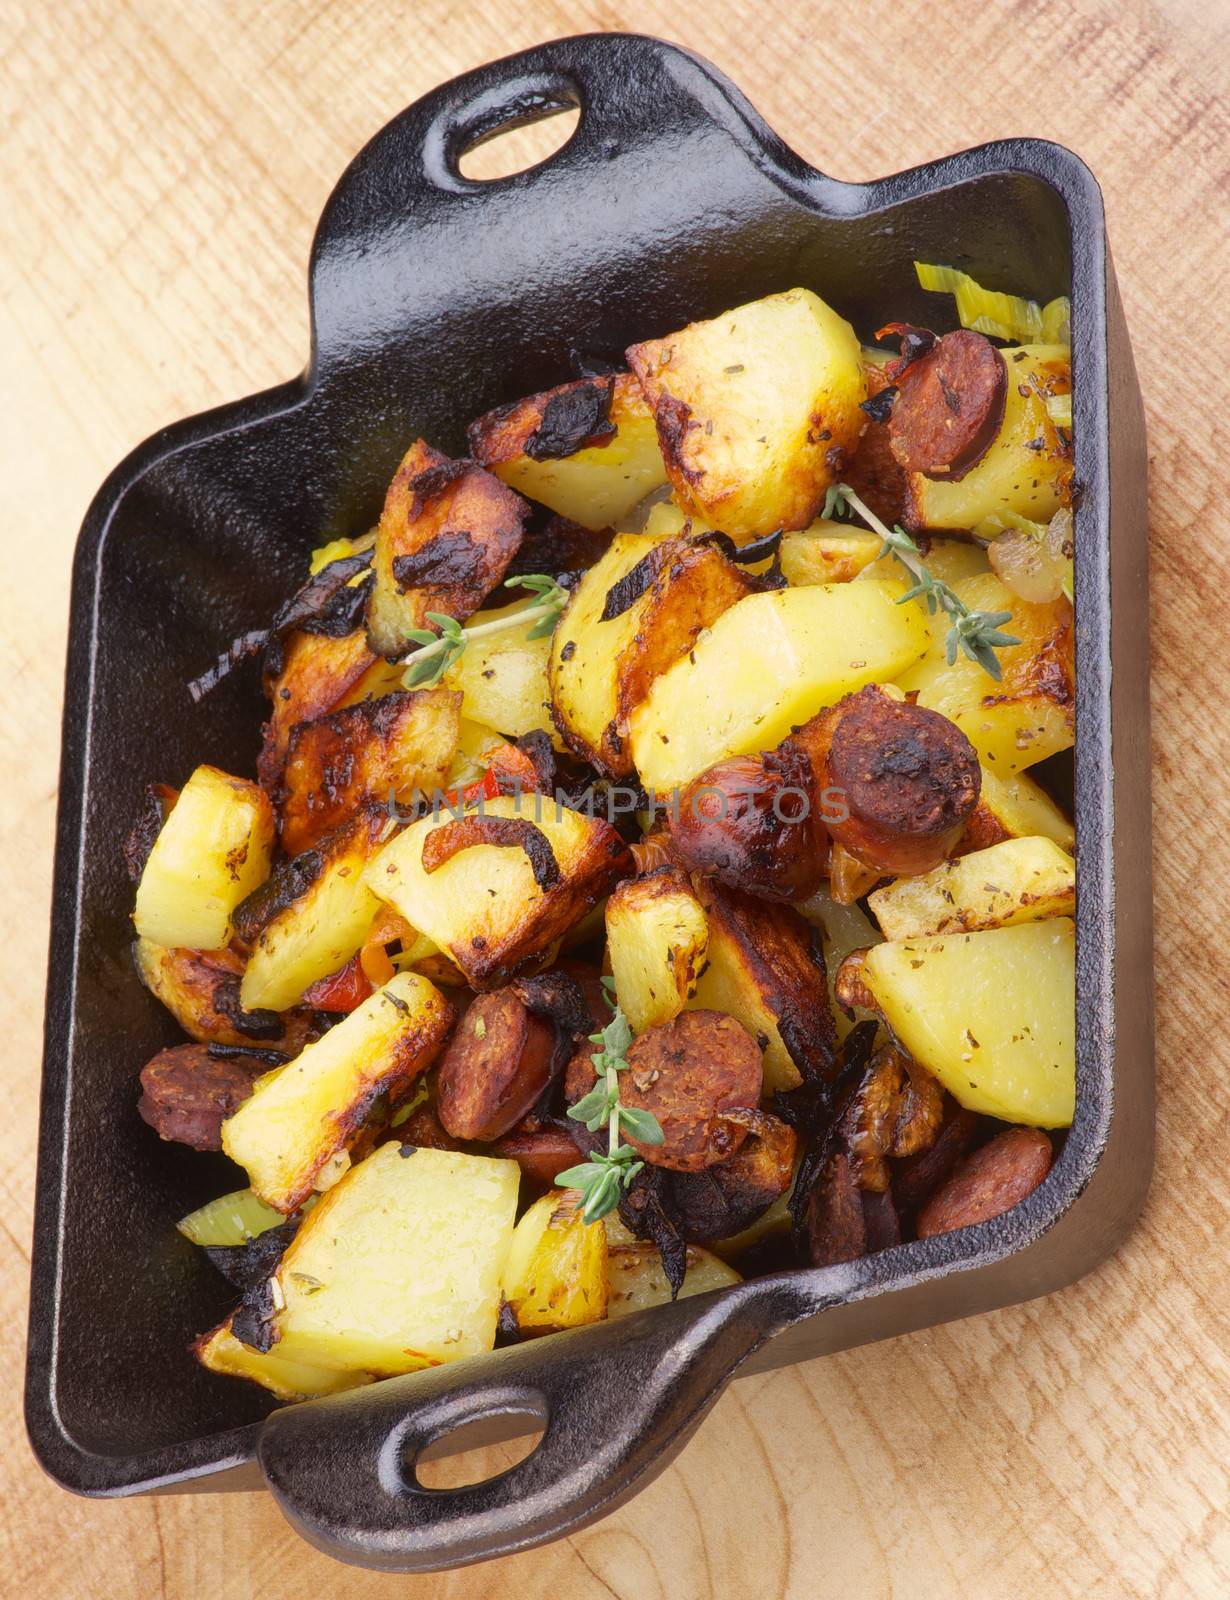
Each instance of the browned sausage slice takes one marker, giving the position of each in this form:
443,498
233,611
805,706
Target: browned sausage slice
905,778
422,1128
949,406
688,1072
917,1177
498,1062
990,1182
190,1090
541,1151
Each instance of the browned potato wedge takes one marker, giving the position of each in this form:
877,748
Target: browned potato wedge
589,449
634,614
311,916
761,970
1017,880
294,1133
656,939
400,743
757,410
446,536
489,906
318,674
288,1379
200,988
1015,807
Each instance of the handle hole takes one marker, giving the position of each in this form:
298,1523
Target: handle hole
478,1450
518,147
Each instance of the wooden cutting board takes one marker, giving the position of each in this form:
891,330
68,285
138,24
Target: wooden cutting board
164,163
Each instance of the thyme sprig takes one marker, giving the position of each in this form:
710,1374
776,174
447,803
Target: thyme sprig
602,1178
977,633
439,650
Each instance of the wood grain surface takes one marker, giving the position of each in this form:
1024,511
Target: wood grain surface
163,165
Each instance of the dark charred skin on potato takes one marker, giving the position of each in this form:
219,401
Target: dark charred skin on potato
547,426
495,1068
288,882
909,779
200,988
623,594
188,1091
673,419
449,559
752,823
949,407
505,833
724,1199
575,417
156,802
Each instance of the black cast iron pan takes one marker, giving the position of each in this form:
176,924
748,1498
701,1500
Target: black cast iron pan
433,299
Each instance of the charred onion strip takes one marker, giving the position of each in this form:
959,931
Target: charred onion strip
510,833
572,420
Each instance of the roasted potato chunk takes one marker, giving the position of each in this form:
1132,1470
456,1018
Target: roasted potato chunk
487,906
637,1279
756,410
555,1275
1027,469
503,679
288,1379
295,1132
827,552
589,449
397,744
634,614
398,1267
1031,712
810,647
317,675
200,988
656,938
992,1015
446,536
214,849
761,971
1020,880
1015,807
311,917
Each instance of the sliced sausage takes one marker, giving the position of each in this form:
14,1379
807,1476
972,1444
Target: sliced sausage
688,1072
728,1197
498,1062
990,1182
540,1150
752,822
907,780
423,1129
949,406
188,1092
874,472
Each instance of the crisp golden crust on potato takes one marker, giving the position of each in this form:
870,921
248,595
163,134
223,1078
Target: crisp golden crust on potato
634,614
446,536
762,971
317,674
483,907
396,744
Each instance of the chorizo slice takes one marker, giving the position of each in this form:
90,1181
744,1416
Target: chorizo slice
689,1073
498,1062
949,406
423,1129
874,472
907,779
540,1150
991,1181
724,1199
188,1091
916,1178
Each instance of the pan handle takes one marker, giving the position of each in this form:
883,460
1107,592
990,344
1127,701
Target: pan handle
403,221
617,1402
